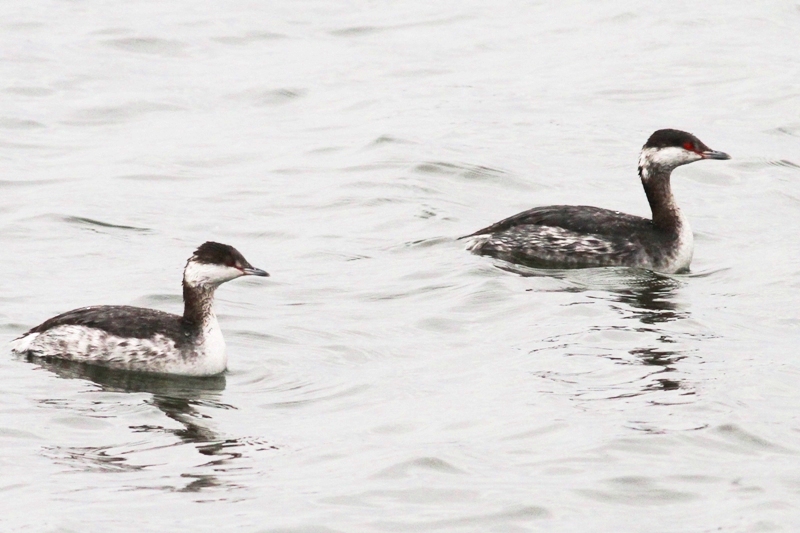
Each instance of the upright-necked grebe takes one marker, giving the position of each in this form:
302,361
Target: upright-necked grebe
566,236
147,340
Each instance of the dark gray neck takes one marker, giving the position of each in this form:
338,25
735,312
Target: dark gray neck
656,183
197,305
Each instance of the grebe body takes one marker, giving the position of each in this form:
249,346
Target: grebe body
563,236
148,340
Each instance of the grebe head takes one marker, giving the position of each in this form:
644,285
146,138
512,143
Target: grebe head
667,149
213,264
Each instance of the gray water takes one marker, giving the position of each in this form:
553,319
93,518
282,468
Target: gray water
384,379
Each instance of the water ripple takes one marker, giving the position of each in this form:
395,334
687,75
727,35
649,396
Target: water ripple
148,45
93,224
118,114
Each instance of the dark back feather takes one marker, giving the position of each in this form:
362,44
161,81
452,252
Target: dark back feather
123,321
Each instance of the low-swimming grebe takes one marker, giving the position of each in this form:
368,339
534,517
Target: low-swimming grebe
567,236
146,340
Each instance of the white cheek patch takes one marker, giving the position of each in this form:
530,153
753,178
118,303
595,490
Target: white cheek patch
669,157
206,274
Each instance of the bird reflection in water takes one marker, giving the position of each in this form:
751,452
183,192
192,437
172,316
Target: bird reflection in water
178,397
651,299
647,297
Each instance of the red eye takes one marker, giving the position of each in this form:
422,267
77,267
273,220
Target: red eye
688,146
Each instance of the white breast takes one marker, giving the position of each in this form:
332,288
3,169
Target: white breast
211,355
682,257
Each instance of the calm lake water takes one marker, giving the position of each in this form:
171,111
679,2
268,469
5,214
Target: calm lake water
384,379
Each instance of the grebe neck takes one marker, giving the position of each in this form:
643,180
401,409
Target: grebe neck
657,187
198,302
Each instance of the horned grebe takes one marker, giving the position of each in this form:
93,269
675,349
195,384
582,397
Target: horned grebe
567,236
147,340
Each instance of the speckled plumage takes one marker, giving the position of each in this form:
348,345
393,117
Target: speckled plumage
148,340
578,236
564,236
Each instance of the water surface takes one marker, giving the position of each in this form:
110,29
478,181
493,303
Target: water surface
383,379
